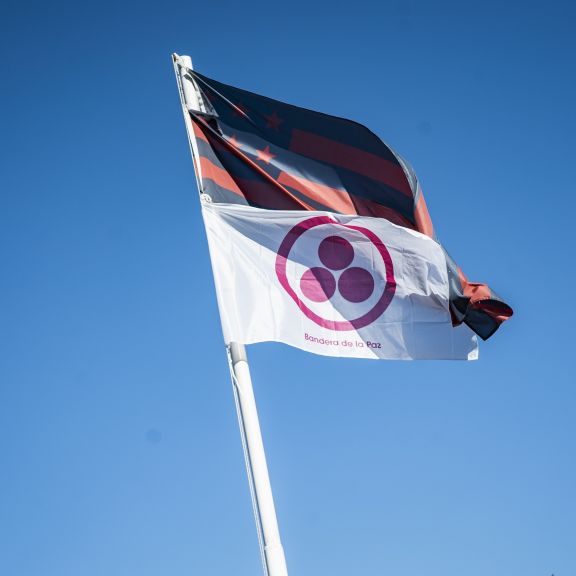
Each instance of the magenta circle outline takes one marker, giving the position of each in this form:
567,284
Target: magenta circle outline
374,313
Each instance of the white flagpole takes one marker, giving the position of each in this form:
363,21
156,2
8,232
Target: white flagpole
273,559
264,510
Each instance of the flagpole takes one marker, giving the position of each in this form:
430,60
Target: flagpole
256,466
272,552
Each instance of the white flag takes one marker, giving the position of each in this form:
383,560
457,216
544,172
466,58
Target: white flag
332,284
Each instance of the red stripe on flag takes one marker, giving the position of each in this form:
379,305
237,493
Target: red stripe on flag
209,170
340,201
337,200
481,297
198,132
422,217
474,290
264,195
370,208
350,158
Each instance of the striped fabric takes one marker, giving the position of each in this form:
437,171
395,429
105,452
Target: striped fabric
268,154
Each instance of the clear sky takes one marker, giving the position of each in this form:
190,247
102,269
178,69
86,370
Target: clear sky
119,447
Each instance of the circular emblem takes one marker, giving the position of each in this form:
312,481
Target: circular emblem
340,276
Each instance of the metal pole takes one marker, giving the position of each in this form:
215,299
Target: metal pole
273,559
256,466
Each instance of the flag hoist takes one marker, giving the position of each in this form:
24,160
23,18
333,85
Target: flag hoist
320,238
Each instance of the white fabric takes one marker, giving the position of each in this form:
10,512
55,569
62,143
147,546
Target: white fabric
264,296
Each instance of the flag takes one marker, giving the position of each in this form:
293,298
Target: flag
332,284
262,153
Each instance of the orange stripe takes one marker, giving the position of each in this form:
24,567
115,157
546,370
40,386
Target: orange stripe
338,200
473,290
264,194
218,175
198,132
422,217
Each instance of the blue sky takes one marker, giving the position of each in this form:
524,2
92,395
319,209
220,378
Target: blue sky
119,447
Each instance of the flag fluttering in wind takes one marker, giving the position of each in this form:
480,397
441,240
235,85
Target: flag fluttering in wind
320,236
